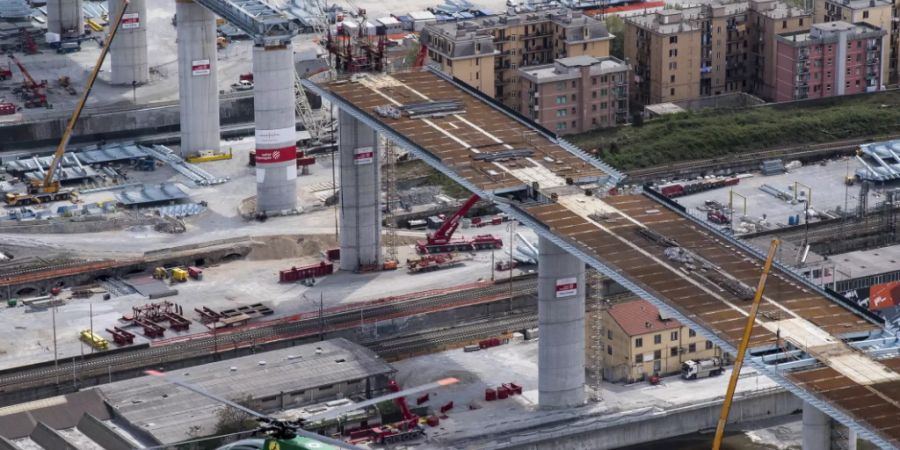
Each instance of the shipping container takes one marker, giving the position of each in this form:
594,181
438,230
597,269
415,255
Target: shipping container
301,273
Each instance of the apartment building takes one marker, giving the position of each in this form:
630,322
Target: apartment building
714,49
637,342
664,52
575,94
487,52
878,13
833,58
765,20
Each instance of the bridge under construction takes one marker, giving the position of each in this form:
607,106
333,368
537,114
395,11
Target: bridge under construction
821,347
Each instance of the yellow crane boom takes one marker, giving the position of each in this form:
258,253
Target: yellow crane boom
745,342
48,184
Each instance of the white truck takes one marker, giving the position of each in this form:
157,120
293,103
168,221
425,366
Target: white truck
693,369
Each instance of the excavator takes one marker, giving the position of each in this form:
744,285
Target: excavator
50,189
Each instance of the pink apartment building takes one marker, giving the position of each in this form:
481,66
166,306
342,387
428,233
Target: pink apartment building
833,58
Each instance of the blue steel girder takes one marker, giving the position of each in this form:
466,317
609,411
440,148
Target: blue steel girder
265,24
596,262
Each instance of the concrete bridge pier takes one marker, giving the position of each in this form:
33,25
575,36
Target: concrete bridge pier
360,229
276,138
561,291
816,429
197,87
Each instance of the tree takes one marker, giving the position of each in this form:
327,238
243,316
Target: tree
616,26
231,420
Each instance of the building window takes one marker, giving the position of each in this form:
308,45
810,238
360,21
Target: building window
573,97
673,39
604,79
639,358
673,53
672,91
603,92
709,345
691,333
657,339
573,84
865,14
657,354
639,342
560,85
672,79
609,334
673,351
783,24
574,124
477,75
561,99
609,349
593,81
602,105
673,65
801,21
673,335
561,113
561,126
594,108
692,348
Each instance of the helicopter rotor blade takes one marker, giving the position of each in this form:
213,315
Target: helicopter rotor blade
326,440
341,410
201,391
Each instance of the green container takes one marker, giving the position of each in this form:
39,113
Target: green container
11,302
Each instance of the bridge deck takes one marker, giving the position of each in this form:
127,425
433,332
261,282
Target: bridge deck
639,240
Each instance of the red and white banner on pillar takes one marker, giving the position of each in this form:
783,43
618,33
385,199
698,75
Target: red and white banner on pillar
276,155
131,21
566,287
200,67
363,155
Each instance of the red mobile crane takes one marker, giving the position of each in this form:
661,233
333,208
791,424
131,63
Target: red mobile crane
405,430
32,91
441,241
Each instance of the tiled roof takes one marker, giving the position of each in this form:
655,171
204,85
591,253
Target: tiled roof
640,317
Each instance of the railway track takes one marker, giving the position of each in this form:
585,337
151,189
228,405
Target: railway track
804,152
307,325
439,339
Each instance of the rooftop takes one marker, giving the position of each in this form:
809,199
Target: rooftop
861,4
568,68
829,31
590,28
167,411
774,9
639,317
669,21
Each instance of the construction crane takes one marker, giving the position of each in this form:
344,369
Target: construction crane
32,91
49,189
745,342
441,241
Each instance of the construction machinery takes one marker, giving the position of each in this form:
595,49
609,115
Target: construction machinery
180,275
291,435
693,369
31,90
745,343
50,189
94,340
428,263
717,217
441,241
